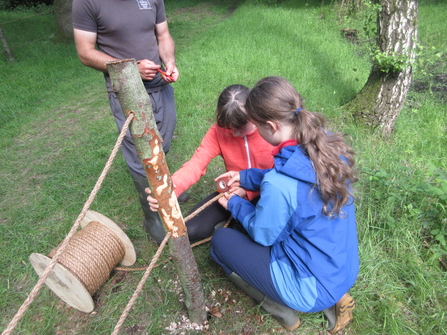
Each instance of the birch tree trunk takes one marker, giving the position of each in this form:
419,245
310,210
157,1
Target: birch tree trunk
380,101
133,98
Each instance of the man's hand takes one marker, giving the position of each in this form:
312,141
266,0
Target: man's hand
172,71
166,48
147,68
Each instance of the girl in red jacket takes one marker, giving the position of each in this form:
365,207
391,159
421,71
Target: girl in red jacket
238,142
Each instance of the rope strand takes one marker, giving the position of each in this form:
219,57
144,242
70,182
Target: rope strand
140,285
189,217
193,214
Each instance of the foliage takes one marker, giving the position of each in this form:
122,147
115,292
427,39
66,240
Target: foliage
18,5
427,57
369,14
266,2
389,62
361,15
419,195
429,63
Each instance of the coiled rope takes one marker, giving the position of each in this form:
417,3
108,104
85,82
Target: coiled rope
92,254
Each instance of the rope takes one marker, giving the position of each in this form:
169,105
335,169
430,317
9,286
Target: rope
15,320
140,285
193,214
92,254
189,217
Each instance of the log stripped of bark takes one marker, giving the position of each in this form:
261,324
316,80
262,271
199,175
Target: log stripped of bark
133,98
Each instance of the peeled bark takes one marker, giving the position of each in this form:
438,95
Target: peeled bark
133,98
381,99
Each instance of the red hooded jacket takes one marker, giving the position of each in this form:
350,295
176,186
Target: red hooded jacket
238,153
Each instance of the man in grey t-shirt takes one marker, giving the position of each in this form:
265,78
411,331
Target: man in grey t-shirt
108,30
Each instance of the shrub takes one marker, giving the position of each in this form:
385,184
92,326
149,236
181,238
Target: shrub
422,198
9,5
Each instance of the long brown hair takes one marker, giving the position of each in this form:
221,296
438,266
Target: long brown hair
275,99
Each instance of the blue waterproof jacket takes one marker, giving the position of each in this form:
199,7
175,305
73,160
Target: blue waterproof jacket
314,259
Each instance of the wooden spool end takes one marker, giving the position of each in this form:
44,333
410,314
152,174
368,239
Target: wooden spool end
129,256
66,284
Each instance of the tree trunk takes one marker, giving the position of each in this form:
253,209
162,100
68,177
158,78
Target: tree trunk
64,22
6,46
381,99
133,98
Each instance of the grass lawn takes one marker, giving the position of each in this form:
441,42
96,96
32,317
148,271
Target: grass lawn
57,133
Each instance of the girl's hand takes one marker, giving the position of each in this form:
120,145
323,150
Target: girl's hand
153,203
224,200
234,177
239,191
227,195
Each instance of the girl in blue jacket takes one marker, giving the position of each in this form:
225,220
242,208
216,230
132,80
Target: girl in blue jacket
301,250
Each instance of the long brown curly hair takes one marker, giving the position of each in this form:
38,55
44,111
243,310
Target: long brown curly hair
275,99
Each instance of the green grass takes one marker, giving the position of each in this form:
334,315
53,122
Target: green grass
56,133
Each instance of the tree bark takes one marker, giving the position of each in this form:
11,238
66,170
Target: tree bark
64,22
189,276
6,46
133,98
381,99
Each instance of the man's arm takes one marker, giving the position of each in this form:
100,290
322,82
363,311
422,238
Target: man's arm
89,56
87,53
166,48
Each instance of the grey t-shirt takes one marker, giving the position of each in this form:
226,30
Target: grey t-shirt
125,29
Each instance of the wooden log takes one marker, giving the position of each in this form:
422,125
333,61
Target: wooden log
133,98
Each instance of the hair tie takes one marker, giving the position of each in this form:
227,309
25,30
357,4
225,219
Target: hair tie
297,110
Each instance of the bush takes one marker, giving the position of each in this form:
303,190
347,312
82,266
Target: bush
9,5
